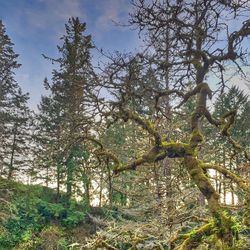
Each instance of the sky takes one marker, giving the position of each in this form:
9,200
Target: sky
35,28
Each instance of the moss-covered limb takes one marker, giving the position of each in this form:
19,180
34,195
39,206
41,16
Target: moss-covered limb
242,183
180,237
177,149
195,219
145,124
200,111
94,140
80,139
157,153
102,244
194,238
246,154
100,151
231,53
109,155
243,32
211,119
200,88
168,92
227,121
148,157
231,118
196,138
130,166
203,183
177,237
153,155
222,221
238,148
186,217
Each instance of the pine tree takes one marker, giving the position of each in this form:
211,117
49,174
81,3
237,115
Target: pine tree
18,154
14,113
8,85
233,99
66,113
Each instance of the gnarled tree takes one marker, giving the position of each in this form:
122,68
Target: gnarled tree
187,42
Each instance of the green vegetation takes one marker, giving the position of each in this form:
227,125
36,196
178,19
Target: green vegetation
32,219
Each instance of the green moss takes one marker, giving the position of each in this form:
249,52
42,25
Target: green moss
195,237
194,171
196,63
164,144
177,149
150,124
196,138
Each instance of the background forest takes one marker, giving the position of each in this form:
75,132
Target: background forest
146,150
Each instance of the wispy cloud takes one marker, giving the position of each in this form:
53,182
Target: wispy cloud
112,11
51,12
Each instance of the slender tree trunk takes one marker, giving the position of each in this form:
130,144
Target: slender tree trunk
87,193
110,188
70,166
224,191
58,179
47,176
157,184
232,195
224,179
69,180
216,181
13,149
169,193
101,189
86,185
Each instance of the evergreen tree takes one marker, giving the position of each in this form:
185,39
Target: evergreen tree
66,113
14,113
8,64
220,148
18,153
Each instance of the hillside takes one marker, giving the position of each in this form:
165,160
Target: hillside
31,218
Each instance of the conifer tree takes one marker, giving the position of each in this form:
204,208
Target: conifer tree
67,112
14,113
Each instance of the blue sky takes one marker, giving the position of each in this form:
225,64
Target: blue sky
35,27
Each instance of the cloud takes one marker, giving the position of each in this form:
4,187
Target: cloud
52,12
112,10
64,9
